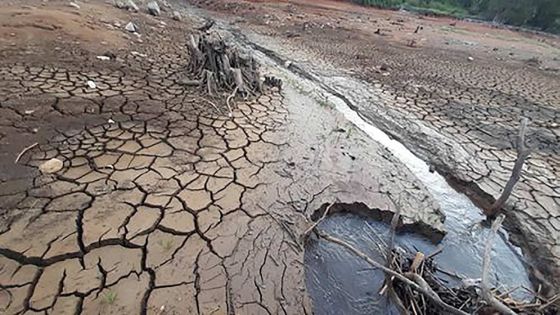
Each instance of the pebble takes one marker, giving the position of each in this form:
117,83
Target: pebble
91,84
51,166
153,8
177,16
131,27
74,5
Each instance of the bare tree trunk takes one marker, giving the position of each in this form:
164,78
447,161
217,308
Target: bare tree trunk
486,266
522,154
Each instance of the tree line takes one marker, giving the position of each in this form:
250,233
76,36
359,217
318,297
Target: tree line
540,14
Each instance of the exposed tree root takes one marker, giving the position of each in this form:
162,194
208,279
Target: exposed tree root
222,71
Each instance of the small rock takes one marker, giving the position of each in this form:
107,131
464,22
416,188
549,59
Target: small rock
131,5
110,121
177,16
51,166
153,8
470,58
35,130
91,84
103,58
110,55
74,5
29,111
131,27
126,5
135,53
287,64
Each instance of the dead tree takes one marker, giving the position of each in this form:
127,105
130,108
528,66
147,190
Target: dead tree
523,153
220,69
486,265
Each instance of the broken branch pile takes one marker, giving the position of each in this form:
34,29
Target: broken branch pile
414,284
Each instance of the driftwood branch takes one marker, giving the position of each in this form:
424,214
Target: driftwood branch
430,294
523,153
486,266
315,224
24,151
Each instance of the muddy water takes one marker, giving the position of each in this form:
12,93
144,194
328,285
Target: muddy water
340,283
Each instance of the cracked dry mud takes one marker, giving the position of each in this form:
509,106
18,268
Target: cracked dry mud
460,115
164,206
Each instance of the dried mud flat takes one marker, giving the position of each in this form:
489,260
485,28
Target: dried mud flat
162,205
451,91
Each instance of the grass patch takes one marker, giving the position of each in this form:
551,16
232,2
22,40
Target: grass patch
167,245
110,297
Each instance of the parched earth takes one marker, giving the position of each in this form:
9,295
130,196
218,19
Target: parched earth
162,204
452,91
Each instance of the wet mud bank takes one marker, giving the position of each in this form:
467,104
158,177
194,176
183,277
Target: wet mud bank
382,216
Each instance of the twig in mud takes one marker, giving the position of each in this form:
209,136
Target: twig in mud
284,227
486,265
25,150
232,95
430,294
436,252
314,225
522,154
213,105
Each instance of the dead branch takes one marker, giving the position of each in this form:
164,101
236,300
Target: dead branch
314,225
232,95
25,150
486,265
430,294
523,153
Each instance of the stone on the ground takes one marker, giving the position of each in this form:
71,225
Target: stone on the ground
131,27
126,5
177,16
153,8
131,5
51,166
91,84
74,5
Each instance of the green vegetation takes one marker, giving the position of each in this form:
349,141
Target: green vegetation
539,14
166,244
109,297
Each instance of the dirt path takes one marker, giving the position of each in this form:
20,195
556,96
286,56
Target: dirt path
453,92
163,205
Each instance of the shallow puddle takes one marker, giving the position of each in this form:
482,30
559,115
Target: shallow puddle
341,283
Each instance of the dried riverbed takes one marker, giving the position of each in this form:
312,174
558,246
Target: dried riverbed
165,205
